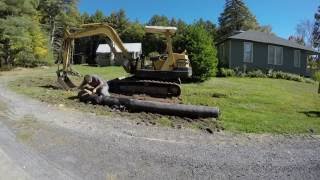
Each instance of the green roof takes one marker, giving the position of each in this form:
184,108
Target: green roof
268,38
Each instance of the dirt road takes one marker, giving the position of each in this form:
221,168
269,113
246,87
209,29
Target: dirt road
39,141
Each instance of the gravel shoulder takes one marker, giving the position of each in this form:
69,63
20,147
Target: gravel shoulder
41,141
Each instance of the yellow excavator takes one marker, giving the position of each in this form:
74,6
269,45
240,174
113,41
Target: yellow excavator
159,79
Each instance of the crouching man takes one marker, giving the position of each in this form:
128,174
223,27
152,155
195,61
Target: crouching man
93,84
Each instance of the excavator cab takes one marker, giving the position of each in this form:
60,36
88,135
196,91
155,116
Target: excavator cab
170,66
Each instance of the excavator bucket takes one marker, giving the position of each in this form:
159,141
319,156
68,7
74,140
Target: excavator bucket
65,82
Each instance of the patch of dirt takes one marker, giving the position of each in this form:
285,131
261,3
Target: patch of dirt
46,90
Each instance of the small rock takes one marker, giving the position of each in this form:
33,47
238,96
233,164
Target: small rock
44,67
209,130
311,130
61,105
153,123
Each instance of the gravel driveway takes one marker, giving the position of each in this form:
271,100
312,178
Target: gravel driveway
39,141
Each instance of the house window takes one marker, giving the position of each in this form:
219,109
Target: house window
297,58
275,55
248,52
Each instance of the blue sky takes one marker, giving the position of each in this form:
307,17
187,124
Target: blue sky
282,15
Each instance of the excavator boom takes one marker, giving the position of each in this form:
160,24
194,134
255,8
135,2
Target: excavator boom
87,30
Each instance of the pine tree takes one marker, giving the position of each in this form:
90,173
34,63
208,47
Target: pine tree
316,30
235,17
157,20
119,21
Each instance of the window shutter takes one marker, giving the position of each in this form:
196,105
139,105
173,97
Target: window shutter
247,52
297,58
271,54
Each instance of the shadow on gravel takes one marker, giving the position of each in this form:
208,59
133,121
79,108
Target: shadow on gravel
313,114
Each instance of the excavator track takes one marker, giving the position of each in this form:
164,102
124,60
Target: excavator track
152,88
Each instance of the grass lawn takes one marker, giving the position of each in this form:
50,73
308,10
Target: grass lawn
255,105
247,105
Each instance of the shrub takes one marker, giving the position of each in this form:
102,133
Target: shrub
224,72
287,76
153,54
201,51
256,74
316,76
240,72
308,80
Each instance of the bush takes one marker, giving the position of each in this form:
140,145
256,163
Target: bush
202,52
224,72
316,76
287,76
256,74
153,54
308,80
24,42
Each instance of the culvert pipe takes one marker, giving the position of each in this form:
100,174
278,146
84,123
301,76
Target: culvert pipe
135,105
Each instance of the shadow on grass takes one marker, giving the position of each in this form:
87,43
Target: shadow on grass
50,87
73,97
314,114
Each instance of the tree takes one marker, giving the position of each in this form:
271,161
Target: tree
97,17
56,16
154,42
297,39
119,21
265,29
316,30
22,40
157,20
317,78
304,32
134,33
85,18
202,52
235,17
50,11
208,26
18,7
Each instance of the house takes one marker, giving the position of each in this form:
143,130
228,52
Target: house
259,50
107,56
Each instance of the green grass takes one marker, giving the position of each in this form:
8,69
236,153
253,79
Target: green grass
250,105
41,84
106,73
259,105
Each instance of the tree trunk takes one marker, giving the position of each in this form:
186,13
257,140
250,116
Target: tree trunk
7,60
52,33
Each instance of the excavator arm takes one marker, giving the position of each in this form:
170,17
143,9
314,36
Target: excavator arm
88,30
